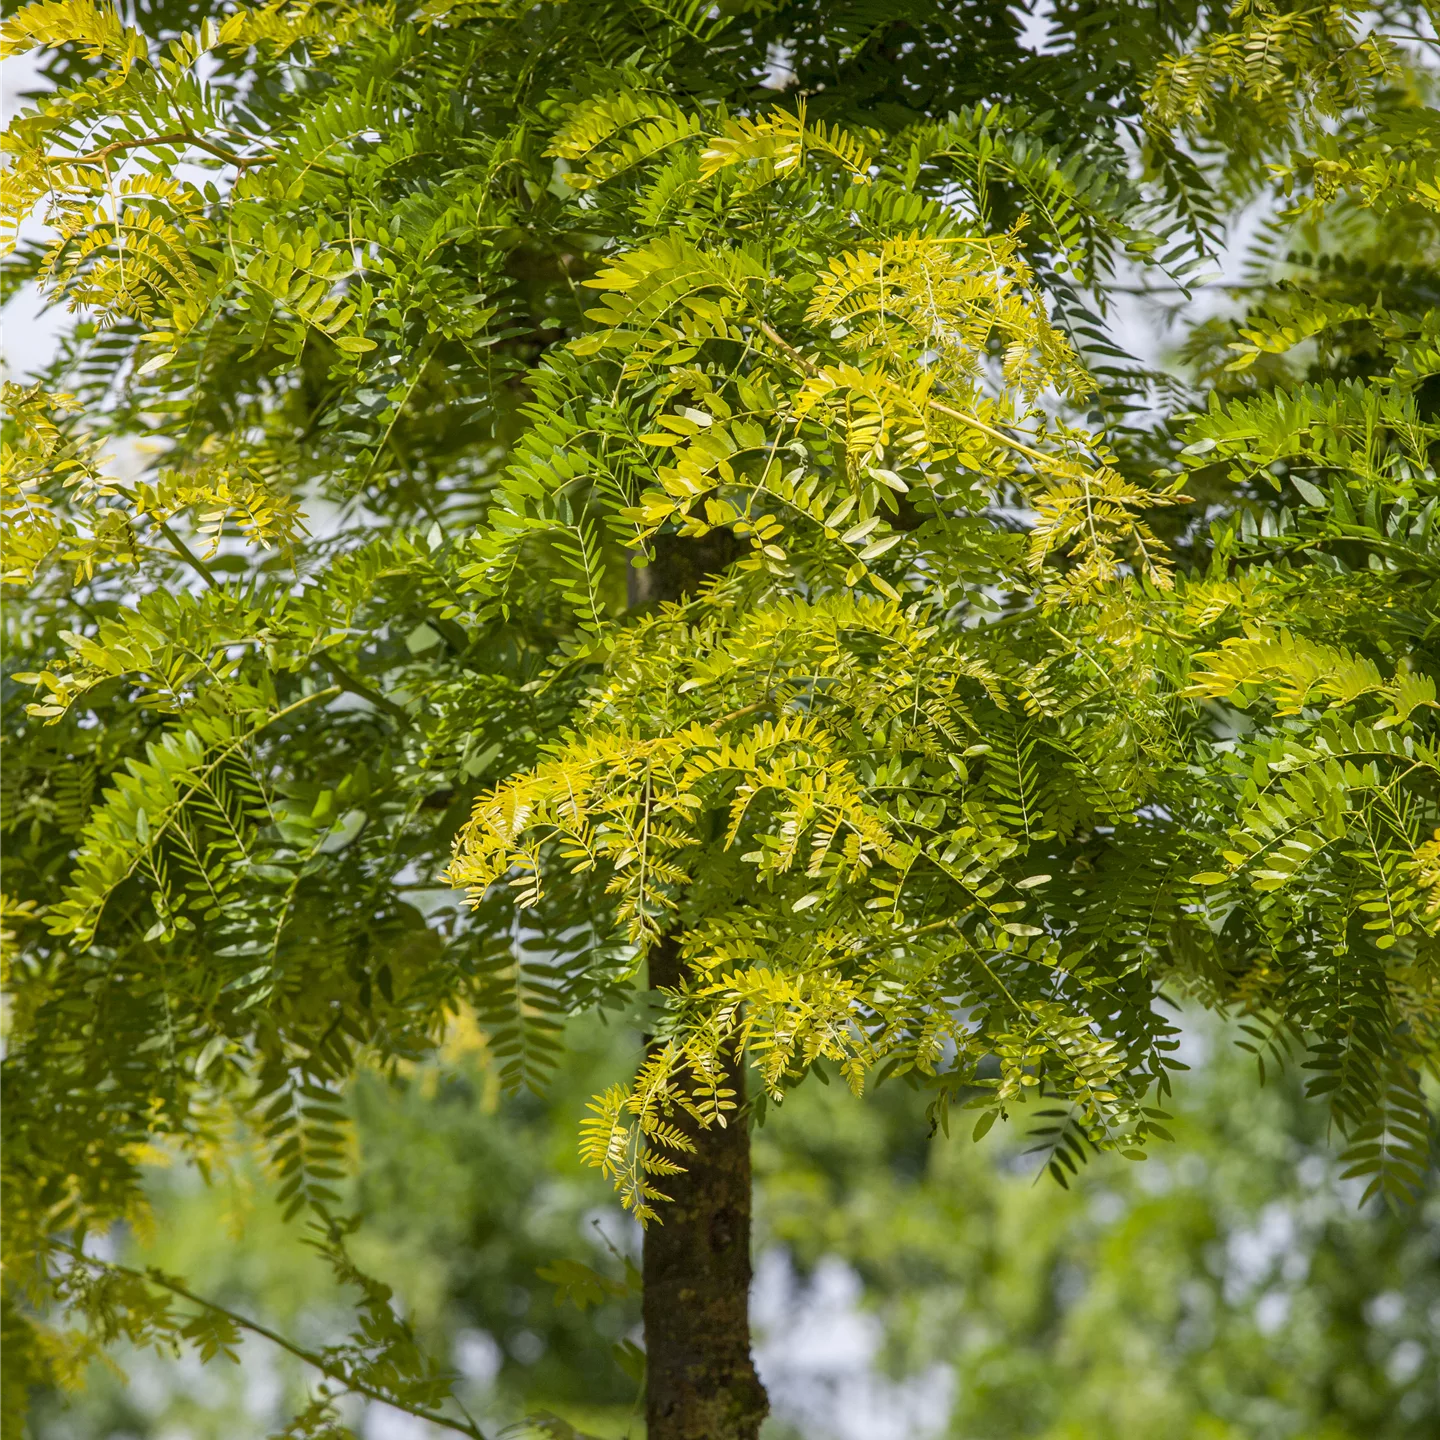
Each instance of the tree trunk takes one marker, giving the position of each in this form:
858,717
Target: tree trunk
700,1379
679,567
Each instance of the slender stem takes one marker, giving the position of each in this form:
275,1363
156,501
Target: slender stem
1181,289
328,1368
203,778
964,416
357,686
990,430
175,137
744,710
776,338
189,556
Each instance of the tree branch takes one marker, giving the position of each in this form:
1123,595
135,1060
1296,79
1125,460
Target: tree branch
175,137
179,137
328,1368
346,681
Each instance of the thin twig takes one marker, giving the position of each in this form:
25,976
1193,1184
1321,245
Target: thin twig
977,423
775,338
744,710
353,683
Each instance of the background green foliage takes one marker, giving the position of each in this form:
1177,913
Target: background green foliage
1226,1287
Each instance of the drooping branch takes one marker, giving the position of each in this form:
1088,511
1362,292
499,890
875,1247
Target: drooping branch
326,1367
175,137
180,137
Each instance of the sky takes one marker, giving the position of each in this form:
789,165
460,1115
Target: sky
28,334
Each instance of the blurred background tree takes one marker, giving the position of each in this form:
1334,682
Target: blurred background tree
908,1286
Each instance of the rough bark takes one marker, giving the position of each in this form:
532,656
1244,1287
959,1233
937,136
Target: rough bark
700,1378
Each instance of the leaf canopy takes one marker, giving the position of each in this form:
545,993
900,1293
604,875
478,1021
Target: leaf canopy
542,451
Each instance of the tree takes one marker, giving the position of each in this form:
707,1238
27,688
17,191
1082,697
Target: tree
900,748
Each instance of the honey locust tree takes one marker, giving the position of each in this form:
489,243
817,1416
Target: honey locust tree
710,523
